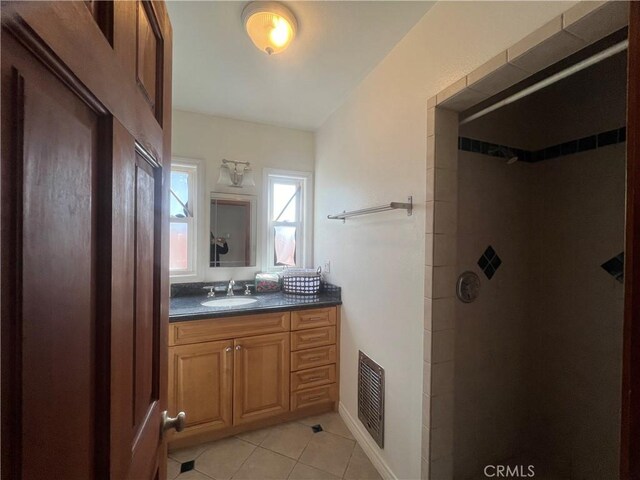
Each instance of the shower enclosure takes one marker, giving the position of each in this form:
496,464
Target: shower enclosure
541,212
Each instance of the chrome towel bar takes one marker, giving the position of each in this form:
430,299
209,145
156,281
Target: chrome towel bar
408,206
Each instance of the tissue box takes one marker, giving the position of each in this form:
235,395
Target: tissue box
267,282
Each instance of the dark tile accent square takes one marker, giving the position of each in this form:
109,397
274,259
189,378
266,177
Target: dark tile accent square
316,428
615,267
569,148
607,138
587,143
489,262
476,146
622,134
552,152
489,252
186,466
489,271
465,144
459,143
537,155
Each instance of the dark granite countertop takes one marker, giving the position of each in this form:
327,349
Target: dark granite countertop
184,308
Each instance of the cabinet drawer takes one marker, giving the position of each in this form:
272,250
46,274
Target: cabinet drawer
321,317
197,331
313,377
314,357
314,396
314,337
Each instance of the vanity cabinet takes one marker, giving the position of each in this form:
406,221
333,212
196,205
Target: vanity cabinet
261,377
234,374
202,382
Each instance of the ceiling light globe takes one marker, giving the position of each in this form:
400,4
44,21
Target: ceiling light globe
270,25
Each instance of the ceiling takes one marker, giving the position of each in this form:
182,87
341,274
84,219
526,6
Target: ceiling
218,71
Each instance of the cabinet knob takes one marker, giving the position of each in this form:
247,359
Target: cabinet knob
228,349
238,347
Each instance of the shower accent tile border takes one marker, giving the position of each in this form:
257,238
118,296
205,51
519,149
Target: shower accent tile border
571,147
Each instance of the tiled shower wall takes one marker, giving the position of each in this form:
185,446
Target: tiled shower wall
575,332
538,354
494,209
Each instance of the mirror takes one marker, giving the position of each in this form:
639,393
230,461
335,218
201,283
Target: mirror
232,230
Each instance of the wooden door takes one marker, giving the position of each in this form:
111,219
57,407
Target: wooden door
630,438
85,166
261,377
201,377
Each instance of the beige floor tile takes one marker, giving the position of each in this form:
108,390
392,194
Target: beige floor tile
188,454
360,467
265,465
305,472
223,458
173,469
289,439
328,452
331,422
256,437
193,475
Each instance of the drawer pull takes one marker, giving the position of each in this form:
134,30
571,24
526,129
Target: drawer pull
317,377
313,359
311,337
314,398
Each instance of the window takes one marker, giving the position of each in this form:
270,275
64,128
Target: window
288,219
182,215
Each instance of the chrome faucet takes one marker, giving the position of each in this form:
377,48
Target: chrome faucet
230,288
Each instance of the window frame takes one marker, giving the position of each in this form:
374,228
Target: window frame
304,221
192,168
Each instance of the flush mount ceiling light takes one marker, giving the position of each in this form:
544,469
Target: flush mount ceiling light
270,25
236,174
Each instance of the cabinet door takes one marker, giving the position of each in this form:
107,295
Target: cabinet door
200,377
261,377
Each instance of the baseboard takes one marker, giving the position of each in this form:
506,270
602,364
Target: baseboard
367,443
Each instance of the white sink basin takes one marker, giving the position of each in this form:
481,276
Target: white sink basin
229,302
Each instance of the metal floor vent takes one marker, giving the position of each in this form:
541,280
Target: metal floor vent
371,397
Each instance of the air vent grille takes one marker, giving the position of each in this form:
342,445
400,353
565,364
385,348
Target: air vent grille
371,397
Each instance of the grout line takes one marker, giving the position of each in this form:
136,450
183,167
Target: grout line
350,457
245,460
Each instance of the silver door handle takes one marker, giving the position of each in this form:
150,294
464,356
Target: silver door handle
177,422
228,349
238,347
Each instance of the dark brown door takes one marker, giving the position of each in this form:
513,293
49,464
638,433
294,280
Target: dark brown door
85,166
630,445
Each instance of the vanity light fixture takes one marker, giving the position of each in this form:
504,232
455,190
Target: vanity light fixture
236,174
270,25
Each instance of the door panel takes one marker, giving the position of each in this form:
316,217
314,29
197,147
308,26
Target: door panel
261,377
54,154
202,376
136,321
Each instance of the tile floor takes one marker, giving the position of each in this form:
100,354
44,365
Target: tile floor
288,451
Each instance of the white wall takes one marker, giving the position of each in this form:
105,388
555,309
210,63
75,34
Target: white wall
372,150
210,139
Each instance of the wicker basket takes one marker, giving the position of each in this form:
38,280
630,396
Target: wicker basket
301,281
